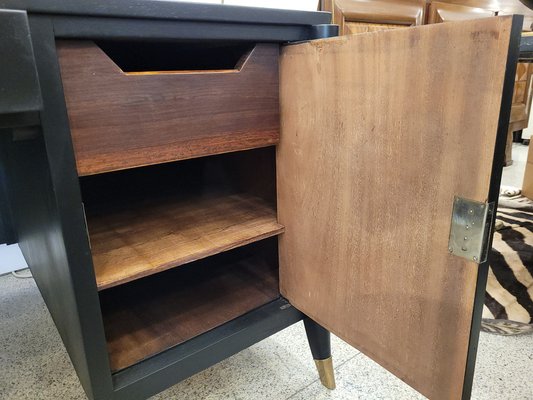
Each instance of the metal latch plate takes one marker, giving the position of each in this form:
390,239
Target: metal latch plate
470,229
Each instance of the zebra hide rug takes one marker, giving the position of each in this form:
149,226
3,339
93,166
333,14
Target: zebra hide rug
508,306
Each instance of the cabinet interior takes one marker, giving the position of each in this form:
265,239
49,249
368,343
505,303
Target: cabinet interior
150,315
212,217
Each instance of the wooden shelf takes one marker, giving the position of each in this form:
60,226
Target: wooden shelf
130,241
148,316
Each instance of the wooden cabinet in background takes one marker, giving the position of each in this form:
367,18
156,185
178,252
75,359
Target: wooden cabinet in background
444,12
521,107
357,16
503,7
521,97
379,14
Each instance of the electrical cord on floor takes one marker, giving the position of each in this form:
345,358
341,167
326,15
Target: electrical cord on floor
18,275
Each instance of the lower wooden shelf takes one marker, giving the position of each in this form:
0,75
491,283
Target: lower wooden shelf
148,316
130,241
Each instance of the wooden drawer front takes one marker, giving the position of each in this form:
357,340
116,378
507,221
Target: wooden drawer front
519,92
521,88
445,12
521,97
352,28
123,120
360,16
521,71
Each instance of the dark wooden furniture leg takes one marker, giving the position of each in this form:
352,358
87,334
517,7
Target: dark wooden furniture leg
320,343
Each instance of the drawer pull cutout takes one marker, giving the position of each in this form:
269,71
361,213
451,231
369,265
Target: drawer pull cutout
152,58
120,121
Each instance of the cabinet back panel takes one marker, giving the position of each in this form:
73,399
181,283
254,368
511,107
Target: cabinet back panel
251,171
379,132
120,120
146,220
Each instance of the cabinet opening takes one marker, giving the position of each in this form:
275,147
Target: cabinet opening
135,57
147,220
148,316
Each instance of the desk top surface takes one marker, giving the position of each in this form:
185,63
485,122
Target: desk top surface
169,10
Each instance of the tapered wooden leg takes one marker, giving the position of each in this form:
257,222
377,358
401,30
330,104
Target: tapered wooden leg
320,343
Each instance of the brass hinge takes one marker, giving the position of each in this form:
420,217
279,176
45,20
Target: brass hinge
470,229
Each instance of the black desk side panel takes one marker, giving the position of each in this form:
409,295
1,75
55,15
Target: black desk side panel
20,99
49,220
7,233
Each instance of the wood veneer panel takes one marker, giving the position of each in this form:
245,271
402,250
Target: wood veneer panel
148,316
366,187
130,241
120,120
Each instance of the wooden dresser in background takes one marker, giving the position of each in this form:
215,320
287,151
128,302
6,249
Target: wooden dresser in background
363,16
356,16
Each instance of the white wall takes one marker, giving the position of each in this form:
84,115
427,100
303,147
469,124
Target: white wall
11,259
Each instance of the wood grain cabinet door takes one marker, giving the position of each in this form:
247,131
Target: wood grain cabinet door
358,16
369,164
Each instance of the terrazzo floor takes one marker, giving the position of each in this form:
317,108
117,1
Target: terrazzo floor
35,365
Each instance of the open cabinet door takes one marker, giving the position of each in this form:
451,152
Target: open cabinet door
380,132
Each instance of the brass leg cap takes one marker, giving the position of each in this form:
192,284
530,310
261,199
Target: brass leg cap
325,372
